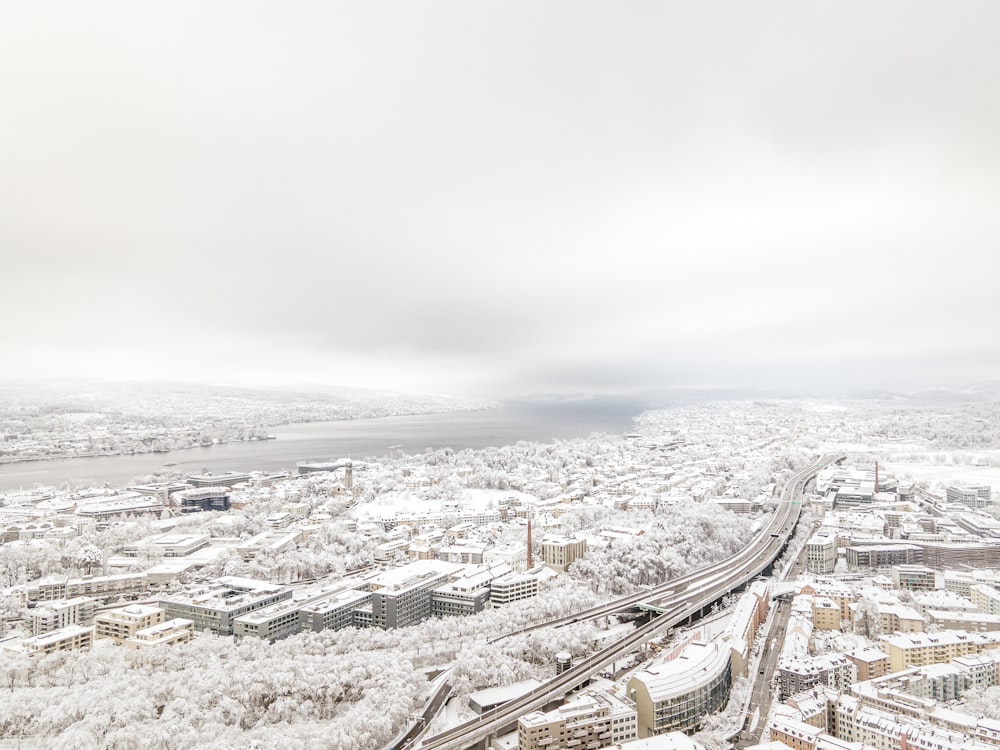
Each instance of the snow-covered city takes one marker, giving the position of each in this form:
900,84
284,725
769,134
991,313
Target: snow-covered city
518,375
383,601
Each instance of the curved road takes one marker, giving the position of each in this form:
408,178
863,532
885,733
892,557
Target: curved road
677,600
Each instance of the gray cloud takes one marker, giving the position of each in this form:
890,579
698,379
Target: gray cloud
516,196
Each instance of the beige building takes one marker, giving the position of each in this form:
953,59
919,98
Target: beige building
68,638
986,598
921,649
123,623
870,662
594,720
826,614
168,633
559,552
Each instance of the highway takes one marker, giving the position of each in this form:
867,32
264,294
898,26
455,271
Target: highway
675,600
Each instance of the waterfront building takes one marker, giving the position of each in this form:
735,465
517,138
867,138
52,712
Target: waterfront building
202,499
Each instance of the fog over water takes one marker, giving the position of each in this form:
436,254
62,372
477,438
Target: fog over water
353,438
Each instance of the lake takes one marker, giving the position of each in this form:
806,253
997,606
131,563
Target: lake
358,438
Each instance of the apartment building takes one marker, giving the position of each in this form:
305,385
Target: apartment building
974,622
98,587
915,577
870,663
826,614
593,720
986,598
921,649
169,633
833,670
881,557
57,614
974,497
69,638
123,623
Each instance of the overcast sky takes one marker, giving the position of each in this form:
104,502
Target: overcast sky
502,198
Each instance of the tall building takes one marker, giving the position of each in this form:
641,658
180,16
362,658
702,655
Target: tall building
559,552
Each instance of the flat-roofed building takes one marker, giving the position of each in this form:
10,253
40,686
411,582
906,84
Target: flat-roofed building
463,596
512,587
482,701
882,557
217,605
229,478
402,596
271,542
202,499
921,649
169,545
269,623
559,552
592,720
915,577
127,504
335,611
832,670
821,551
514,554
69,638
57,614
124,622
169,633
974,497
98,587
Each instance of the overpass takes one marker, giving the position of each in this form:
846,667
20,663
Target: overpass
670,603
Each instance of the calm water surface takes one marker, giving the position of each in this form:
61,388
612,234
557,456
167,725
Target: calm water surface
354,438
